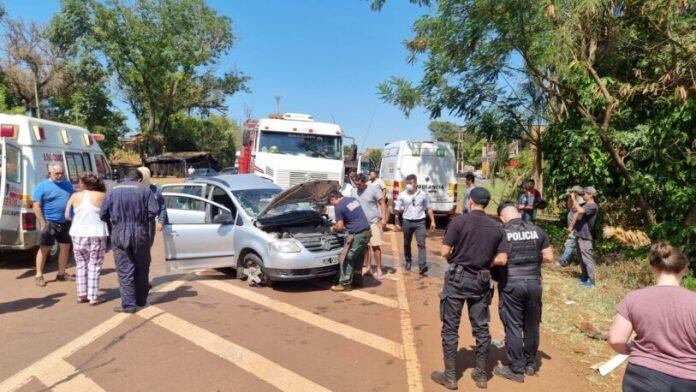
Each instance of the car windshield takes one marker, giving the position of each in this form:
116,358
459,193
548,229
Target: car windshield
317,146
255,200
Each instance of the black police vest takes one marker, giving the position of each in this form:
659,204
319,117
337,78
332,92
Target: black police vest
524,259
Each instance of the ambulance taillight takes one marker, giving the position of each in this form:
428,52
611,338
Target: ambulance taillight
28,221
395,191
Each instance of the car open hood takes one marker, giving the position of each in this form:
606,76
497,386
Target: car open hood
315,192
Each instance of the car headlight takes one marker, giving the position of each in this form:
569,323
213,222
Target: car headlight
285,246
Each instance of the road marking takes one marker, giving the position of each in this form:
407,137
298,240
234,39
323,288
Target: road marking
64,377
53,359
364,295
259,366
377,342
373,298
413,372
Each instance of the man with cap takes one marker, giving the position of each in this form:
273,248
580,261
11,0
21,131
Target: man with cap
156,223
472,243
587,214
519,290
130,206
571,242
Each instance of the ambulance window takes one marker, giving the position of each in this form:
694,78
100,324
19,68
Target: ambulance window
103,168
14,164
77,164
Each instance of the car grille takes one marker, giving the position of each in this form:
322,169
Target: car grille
321,243
287,178
310,271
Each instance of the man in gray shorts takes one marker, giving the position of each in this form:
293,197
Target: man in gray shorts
371,199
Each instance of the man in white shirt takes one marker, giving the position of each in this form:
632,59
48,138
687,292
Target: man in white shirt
412,204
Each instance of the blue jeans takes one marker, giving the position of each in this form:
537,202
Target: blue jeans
570,244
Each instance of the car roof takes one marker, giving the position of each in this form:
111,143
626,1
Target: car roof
237,182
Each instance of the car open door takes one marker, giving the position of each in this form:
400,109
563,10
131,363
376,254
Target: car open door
11,189
198,233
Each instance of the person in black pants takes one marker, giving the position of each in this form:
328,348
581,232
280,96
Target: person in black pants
519,290
471,244
412,204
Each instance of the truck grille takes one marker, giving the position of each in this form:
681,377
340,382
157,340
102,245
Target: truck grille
318,243
287,178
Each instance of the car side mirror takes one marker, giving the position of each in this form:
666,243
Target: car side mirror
223,218
353,152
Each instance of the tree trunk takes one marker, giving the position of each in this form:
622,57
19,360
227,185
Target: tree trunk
538,162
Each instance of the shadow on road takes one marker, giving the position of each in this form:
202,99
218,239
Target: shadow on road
179,293
30,303
466,359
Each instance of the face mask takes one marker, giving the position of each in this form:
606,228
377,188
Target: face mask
410,187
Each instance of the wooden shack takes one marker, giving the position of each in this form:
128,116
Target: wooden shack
176,164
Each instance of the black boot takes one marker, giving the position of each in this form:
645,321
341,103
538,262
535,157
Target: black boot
479,374
448,378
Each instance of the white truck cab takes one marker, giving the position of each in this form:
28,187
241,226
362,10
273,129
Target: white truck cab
433,163
291,149
28,146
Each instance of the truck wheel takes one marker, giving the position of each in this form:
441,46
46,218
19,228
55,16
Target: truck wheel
252,270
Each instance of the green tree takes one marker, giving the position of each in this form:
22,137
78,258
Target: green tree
163,53
604,67
217,135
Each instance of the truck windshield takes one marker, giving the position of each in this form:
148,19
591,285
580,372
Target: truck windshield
316,146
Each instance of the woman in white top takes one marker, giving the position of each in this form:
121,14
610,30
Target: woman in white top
89,234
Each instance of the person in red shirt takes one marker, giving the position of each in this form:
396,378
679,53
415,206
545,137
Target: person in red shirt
662,357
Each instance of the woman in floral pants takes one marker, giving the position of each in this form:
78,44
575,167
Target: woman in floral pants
89,234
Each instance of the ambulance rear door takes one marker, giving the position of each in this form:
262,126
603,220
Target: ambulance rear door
11,188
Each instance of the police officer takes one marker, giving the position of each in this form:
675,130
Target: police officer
472,243
519,286
129,207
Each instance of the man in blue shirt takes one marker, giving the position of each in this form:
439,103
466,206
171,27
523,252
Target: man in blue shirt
49,201
351,218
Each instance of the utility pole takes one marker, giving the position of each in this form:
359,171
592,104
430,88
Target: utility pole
277,99
460,150
36,97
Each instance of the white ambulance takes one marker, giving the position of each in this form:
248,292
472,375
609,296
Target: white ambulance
433,163
29,146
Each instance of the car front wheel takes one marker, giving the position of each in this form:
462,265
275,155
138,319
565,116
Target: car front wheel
252,271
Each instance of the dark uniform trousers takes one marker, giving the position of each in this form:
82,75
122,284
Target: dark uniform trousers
131,246
477,297
520,311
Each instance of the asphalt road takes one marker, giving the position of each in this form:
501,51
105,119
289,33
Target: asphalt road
206,331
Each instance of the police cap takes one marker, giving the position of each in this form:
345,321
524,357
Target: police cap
480,196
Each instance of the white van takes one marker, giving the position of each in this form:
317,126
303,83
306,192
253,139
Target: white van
433,163
29,145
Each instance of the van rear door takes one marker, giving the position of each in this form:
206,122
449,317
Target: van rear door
11,188
436,169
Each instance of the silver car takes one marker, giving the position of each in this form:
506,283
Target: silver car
249,223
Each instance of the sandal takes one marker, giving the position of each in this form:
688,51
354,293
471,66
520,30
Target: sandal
64,277
81,300
39,280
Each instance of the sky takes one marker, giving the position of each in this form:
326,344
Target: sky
323,57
